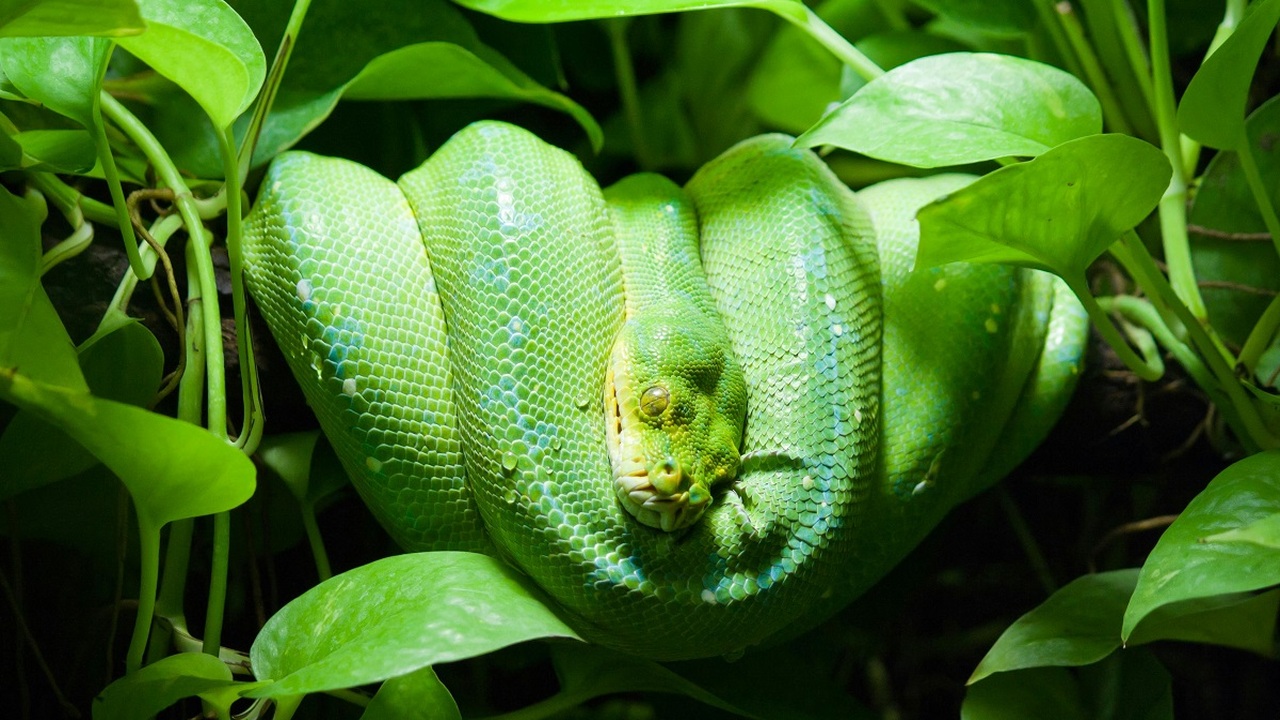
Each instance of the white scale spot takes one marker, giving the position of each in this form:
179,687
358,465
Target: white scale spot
669,208
837,329
831,301
708,597
373,463
991,325
304,289
807,482
349,387
857,415
920,487
941,283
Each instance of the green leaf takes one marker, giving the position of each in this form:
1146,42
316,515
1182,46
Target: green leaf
121,362
1057,212
157,686
1079,624
204,47
32,338
419,695
395,616
173,469
458,73
63,73
66,151
961,108
1213,107
1264,532
540,11
305,462
1049,692
1237,270
69,17
1182,566
1006,17
1238,620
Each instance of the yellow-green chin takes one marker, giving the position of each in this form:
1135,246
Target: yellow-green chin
655,500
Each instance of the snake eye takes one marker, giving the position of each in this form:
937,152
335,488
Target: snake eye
654,400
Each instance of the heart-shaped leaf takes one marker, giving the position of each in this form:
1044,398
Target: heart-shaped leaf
204,47
155,687
1184,565
419,695
70,17
539,11
960,108
1057,212
1213,106
395,616
77,64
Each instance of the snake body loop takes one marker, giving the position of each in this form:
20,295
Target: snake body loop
454,331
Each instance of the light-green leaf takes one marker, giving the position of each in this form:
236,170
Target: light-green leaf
418,695
66,151
540,11
961,108
1212,108
157,686
1183,565
1264,532
69,17
458,72
1057,212
63,73
1006,17
204,47
395,616
32,338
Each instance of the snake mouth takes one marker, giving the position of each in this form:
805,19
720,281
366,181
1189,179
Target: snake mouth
656,494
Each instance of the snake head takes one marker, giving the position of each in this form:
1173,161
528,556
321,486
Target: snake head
675,404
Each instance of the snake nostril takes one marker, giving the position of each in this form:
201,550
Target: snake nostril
665,476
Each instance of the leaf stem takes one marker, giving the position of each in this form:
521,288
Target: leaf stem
1115,118
314,538
267,95
108,162
1173,206
149,568
627,92
221,551
1261,193
1252,431
1107,329
819,30
251,423
1260,336
1049,18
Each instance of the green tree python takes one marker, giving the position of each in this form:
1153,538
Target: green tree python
699,418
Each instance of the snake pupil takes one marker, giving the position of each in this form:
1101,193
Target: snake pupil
654,401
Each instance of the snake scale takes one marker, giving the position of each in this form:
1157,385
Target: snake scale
453,332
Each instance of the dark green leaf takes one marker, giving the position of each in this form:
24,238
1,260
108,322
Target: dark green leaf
204,47
32,338
1128,685
1078,625
157,686
1044,693
994,16
121,362
63,73
418,695
69,17
66,151
1238,620
961,108
1240,272
1057,212
1213,107
173,469
305,462
397,615
1183,566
